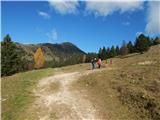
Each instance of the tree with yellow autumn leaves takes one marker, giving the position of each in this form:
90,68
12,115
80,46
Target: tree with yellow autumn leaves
38,58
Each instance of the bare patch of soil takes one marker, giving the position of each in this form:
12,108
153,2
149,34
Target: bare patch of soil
55,99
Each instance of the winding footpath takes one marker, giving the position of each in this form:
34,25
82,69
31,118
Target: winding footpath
63,103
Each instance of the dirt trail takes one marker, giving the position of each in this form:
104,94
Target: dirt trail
62,103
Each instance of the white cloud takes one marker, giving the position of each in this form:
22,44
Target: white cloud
153,19
44,14
126,23
52,36
105,8
64,7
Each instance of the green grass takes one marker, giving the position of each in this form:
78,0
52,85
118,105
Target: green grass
17,89
17,92
77,67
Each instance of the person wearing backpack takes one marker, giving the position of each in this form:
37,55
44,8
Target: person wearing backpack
92,62
99,62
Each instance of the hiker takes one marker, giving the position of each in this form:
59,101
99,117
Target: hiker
92,62
95,60
99,62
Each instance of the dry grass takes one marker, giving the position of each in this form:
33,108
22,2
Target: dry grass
127,90
99,91
130,90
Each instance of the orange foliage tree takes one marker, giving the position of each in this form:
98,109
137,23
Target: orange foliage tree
38,58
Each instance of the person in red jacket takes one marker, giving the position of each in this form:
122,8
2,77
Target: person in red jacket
99,62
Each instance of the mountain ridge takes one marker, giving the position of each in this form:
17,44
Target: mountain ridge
65,53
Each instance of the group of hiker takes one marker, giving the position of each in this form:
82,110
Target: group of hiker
95,62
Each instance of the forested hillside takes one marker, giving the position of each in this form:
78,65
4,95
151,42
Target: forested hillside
55,55
18,57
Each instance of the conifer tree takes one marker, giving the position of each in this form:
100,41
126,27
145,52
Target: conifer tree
100,52
130,47
90,56
142,43
124,49
108,53
112,52
103,53
10,60
117,50
156,41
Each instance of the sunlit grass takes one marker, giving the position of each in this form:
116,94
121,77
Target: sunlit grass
17,91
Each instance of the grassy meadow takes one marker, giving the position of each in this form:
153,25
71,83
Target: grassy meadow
17,91
128,89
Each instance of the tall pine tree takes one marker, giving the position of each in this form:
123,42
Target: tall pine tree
112,52
124,49
117,51
108,53
11,61
130,47
104,53
142,43
100,52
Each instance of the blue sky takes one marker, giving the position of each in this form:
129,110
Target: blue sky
89,25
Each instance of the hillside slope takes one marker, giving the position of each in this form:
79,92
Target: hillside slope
129,89
132,81
54,54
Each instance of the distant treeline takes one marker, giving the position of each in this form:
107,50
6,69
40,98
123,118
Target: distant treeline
141,44
13,61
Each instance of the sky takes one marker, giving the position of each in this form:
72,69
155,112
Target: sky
87,24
